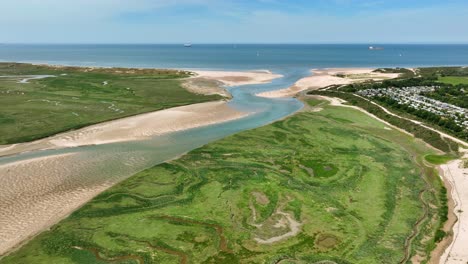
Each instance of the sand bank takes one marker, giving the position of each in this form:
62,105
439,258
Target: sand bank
137,127
36,198
233,78
457,176
326,77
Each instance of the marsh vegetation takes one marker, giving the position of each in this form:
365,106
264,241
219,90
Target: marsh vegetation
332,185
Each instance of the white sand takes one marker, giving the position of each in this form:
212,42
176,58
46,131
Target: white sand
233,78
135,128
39,196
326,77
457,176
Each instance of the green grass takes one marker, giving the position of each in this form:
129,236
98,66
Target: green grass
351,184
315,102
439,159
77,97
454,80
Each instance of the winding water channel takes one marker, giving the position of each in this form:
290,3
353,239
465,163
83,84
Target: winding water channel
45,185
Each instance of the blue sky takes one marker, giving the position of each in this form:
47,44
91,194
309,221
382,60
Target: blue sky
234,21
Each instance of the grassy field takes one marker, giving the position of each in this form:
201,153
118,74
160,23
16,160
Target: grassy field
454,80
333,185
76,97
439,159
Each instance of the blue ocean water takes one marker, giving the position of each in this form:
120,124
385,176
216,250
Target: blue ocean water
246,56
292,61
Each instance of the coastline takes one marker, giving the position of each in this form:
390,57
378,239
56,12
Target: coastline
325,77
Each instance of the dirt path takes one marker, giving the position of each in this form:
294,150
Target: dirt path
445,135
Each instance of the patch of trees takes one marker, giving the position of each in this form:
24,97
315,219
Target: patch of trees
429,136
396,83
456,95
443,71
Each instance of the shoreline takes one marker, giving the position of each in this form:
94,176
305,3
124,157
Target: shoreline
321,78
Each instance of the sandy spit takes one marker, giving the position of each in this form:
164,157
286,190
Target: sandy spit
135,127
325,77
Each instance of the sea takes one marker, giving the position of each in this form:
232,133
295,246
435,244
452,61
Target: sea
116,161
238,56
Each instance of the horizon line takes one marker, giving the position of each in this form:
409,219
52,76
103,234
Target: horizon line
234,43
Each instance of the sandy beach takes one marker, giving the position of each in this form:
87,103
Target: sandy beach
326,77
457,176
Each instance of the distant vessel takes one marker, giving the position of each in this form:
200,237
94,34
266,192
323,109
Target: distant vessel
187,45
375,48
